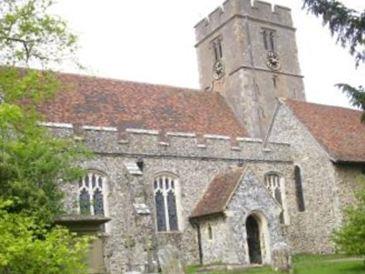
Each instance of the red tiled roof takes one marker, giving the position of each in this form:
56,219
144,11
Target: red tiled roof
337,129
93,101
217,195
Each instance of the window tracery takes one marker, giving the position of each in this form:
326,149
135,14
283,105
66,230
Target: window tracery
92,190
274,183
165,192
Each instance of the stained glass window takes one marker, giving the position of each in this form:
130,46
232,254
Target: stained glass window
165,189
91,197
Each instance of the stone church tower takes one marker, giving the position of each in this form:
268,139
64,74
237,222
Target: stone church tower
248,53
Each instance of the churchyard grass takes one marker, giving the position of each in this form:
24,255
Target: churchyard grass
305,264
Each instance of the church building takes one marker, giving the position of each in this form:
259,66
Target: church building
232,173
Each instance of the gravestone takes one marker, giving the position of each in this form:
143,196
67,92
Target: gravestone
170,263
281,257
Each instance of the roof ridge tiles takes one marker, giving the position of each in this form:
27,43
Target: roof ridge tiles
80,75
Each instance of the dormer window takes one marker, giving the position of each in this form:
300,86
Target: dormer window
217,48
268,36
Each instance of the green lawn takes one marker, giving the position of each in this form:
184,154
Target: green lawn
306,264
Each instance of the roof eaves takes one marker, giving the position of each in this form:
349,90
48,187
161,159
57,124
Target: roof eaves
243,172
207,215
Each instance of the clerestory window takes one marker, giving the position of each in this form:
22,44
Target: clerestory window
166,193
92,193
275,184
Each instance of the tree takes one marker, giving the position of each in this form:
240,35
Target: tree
33,162
348,26
28,248
28,34
350,239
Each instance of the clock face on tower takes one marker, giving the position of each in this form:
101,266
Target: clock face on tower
272,61
218,70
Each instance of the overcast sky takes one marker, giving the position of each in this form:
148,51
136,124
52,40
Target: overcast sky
153,41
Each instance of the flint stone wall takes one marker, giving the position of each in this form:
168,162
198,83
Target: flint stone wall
229,242
194,165
327,187
348,178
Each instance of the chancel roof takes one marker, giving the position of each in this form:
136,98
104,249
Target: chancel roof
219,193
338,130
85,100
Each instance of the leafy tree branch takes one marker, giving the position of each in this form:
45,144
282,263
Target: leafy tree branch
348,26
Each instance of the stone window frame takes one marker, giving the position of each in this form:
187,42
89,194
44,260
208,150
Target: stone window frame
177,193
269,39
274,185
92,189
217,48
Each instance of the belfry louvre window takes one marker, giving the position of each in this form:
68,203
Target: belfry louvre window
275,184
217,48
166,191
269,39
299,188
92,190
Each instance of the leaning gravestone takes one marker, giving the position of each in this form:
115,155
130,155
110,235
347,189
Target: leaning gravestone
170,263
281,257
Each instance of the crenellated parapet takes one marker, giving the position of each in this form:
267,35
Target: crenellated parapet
153,143
256,10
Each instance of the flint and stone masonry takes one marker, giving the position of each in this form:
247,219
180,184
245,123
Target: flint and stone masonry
227,174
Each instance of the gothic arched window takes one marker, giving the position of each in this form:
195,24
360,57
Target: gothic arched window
299,188
217,48
92,190
275,184
269,39
166,191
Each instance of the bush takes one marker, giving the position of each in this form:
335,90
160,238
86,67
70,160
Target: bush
350,239
30,248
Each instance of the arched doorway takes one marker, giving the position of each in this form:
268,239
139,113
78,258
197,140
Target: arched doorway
253,240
